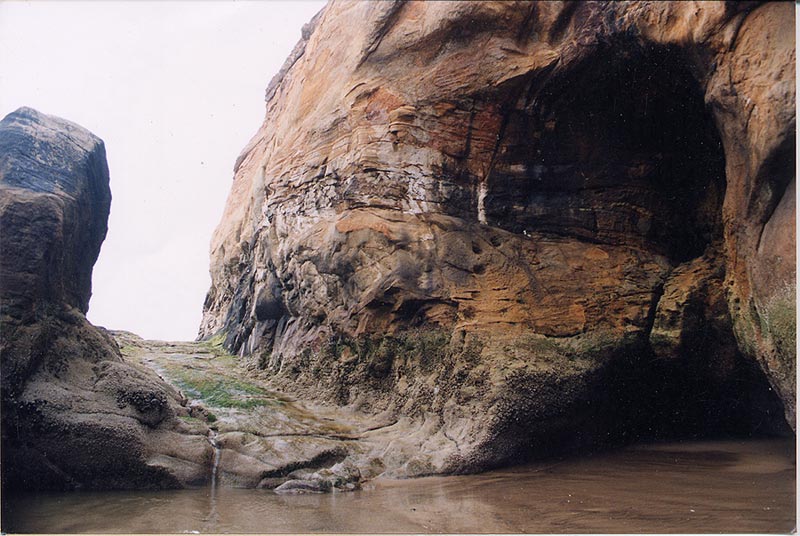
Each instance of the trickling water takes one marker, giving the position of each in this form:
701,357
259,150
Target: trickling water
212,438
212,519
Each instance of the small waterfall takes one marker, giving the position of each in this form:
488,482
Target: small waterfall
212,438
213,518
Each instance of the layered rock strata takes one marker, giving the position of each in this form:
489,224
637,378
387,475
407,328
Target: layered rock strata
74,414
531,225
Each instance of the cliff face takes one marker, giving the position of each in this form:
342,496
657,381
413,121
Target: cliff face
530,225
74,414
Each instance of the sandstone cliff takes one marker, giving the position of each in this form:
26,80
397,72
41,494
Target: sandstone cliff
74,414
536,225
530,226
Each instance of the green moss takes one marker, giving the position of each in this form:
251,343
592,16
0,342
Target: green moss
746,330
583,348
539,345
780,321
217,340
598,345
424,347
216,345
223,391
432,345
471,354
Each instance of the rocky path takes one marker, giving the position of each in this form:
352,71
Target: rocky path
266,439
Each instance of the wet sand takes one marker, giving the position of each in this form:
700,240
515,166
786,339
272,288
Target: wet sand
708,486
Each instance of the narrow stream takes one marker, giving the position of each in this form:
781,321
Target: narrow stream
211,521
707,486
212,438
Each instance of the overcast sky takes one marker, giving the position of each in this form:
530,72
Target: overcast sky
175,89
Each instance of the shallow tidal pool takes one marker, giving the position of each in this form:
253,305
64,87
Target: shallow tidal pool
702,486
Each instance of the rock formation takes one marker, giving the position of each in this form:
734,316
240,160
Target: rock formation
528,226
74,414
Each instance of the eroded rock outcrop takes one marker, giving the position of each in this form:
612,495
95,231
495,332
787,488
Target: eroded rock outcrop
74,414
529,226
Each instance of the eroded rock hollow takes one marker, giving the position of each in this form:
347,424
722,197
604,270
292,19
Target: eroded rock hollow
530,226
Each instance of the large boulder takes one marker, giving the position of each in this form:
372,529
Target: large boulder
473,212
56,200
73,413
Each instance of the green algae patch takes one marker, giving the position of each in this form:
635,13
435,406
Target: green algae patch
216,345
780,321
425,347
223,391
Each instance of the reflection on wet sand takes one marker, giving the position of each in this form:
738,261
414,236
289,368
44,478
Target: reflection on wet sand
719,486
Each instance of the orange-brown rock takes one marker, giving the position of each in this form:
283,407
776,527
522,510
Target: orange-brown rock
496,216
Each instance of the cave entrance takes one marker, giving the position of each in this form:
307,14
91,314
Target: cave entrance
622,150
619,150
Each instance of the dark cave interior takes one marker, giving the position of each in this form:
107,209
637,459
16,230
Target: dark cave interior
618,150
623,150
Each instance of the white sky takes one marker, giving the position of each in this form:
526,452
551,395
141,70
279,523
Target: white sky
175,89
